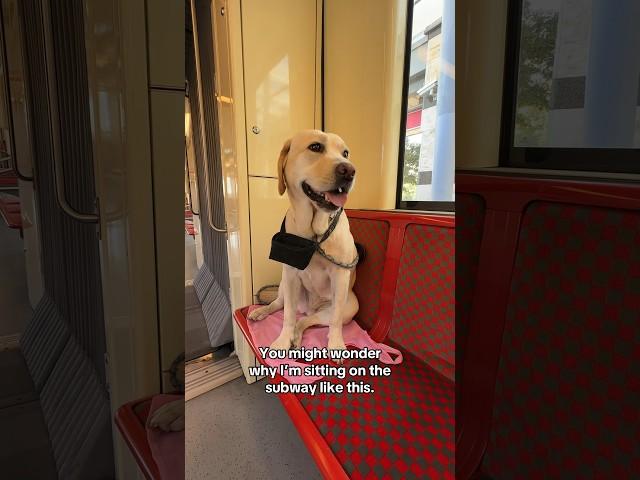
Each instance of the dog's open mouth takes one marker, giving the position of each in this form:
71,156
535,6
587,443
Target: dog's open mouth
330,200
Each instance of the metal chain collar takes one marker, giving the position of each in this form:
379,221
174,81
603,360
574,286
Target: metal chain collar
348,266
319,249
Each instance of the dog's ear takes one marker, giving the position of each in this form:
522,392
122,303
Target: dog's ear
282,162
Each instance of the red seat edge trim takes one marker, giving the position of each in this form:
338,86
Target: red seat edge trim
135,435
513,193
322,454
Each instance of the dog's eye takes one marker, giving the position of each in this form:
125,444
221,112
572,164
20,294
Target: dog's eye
345,154
316,147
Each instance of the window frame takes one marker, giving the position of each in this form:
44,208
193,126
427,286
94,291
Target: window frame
606,160
420,205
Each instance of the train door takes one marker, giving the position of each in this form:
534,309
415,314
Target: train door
59,360
193,232
18,231
95,102
19,163
135,64
210,355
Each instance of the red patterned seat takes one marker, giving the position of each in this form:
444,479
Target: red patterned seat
373,235
8,179
564,405
10,210
404,430
423,309
405,427
549,388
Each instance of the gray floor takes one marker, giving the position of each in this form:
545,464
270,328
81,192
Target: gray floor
237,431
15,310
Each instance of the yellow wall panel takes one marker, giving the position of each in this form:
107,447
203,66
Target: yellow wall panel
280,76
481,30
167,136
364,44
267,211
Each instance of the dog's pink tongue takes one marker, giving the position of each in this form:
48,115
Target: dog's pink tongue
338,199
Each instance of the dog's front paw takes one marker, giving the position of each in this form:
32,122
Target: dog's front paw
297,337
283,342
258,314
336,347
169,417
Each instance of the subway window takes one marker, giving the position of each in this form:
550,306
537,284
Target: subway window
427,131
572,86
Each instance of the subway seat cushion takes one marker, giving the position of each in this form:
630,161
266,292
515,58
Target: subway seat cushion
423,320
566,398
373,235
403,430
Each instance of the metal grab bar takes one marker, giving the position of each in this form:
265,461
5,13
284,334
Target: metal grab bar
190,192
13,162
53,121
201,108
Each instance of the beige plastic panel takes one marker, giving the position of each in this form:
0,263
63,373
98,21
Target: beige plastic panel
364,44
167,151
230,96
267,211
279,45
229,81
165,24
480,37
117,78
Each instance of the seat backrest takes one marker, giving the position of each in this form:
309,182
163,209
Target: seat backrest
405,284
423,321
569,343
373,235
470,211
552,331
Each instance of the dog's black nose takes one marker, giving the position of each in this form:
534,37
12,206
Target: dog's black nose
345,171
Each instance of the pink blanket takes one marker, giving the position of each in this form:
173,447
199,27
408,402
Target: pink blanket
265,331
167,447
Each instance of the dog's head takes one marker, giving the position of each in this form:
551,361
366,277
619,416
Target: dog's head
316,165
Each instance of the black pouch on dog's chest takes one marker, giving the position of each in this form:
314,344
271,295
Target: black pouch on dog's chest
292,250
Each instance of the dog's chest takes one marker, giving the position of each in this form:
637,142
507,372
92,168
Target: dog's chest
316,279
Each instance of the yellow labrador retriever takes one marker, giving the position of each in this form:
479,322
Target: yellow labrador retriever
315,171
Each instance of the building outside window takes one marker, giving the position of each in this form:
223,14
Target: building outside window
572,95
428,131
